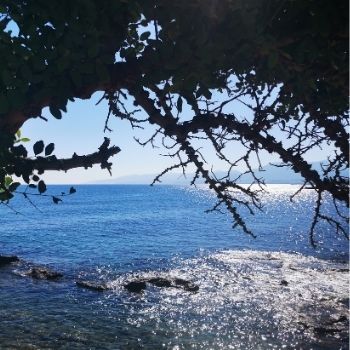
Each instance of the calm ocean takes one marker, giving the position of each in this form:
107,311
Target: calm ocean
114,233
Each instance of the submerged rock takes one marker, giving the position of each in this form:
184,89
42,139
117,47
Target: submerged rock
43,273
326,325
5,260
92,285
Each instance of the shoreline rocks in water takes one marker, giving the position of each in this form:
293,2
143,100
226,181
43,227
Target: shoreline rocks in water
137,286
43,273
333,324
6,260
92,286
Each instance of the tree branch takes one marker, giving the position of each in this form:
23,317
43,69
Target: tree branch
87,161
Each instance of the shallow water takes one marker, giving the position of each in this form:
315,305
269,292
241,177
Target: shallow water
114,233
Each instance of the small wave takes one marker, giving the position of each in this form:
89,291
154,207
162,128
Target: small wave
246,300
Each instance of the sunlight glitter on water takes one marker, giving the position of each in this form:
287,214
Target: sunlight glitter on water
247,300
129,232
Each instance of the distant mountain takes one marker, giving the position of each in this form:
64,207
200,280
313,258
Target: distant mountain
282,175
146,179
167,179
270,173
274,175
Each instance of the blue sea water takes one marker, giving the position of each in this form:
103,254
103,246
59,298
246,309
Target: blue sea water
113,233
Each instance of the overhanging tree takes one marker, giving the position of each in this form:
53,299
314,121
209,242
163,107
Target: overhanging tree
185,65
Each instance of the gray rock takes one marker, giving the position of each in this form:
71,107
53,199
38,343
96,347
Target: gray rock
92,286
135,286
186,285
160,282
5,260
43,273
139,285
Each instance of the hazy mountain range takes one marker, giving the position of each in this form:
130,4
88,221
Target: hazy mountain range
271,174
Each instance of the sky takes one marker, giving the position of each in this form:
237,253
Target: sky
81,131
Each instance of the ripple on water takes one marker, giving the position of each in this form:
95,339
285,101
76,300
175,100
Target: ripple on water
247,300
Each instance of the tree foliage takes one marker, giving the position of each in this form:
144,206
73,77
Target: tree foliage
185,65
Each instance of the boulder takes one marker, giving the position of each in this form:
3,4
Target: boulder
137,286
186,285
92,285
5,260
160,282
43,273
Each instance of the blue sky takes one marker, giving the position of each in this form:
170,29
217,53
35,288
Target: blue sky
81,131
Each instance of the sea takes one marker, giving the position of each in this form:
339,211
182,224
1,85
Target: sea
274,291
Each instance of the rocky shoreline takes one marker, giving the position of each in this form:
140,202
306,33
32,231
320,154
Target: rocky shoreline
306,292
134,286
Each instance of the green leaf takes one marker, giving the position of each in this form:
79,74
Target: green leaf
203,91
20,151
8,181
145,35
49,149
38,147
18,133
24,139
179,104
25,177
55,112
41,186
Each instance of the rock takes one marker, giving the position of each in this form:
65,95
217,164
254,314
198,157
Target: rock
135,286
160,282
187,285
326,330
181,282
284,283
138,286
303,324
43,273
344,301
92,286
341,318
5,260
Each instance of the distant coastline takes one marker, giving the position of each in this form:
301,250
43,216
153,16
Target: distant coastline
270,173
